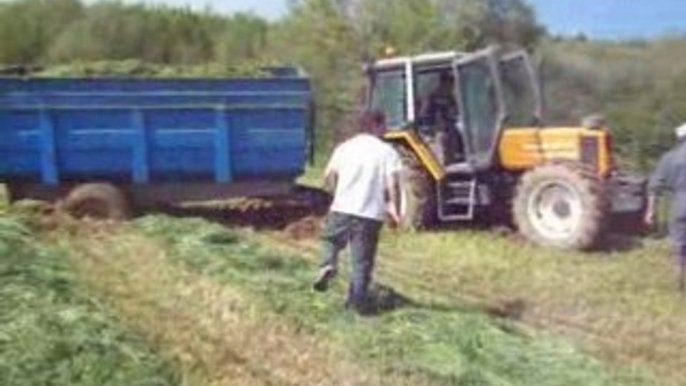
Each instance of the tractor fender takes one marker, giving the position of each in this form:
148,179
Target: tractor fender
422,153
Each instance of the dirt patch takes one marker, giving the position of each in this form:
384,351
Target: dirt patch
305,229
261,216
508,309
298,214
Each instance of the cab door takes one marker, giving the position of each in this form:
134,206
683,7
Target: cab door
522,91
481,107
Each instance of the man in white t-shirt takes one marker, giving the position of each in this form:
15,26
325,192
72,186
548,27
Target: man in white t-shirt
364,172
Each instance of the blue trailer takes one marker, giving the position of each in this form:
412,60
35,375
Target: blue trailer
105,143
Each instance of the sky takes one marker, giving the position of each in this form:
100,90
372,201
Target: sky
600,19
613,19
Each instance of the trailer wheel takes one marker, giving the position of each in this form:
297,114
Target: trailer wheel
417,194
98,201
560,205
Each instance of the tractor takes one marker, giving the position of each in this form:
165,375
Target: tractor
470,130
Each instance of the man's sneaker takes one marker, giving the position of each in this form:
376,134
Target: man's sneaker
326,274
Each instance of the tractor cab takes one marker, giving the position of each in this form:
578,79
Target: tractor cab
456,104
469,129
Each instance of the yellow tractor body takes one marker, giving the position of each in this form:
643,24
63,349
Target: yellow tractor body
470,130
524,149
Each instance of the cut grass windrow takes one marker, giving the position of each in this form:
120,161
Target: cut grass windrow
216,334
433,342
52,332
512,306
623,305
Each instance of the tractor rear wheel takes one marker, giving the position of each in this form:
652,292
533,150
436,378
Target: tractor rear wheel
560,205
98,201
417,194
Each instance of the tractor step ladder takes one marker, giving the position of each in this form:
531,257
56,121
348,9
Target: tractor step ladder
457,199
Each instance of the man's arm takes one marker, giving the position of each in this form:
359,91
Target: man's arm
651,213
330,181
659,181
331,173
393,167
393,189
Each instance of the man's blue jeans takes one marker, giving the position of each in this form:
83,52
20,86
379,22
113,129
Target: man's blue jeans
363,236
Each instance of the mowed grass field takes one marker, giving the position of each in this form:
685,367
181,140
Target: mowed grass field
623,306
53,331
233,306
197,303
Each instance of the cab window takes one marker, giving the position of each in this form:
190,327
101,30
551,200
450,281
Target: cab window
434,95
480,108
388,96
518,92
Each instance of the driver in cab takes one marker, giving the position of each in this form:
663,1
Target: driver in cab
439,111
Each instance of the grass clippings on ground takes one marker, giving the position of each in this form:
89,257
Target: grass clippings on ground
437,342
216,333
52,333
621,304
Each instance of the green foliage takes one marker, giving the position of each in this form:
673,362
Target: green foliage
440,344
244,38
156,35
639,86
55,31
51,333
28,28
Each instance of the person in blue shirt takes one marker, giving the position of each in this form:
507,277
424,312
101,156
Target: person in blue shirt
670,176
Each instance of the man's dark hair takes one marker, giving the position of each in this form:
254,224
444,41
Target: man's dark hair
372,122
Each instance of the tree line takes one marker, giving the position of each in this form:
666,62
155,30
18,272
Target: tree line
640,86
